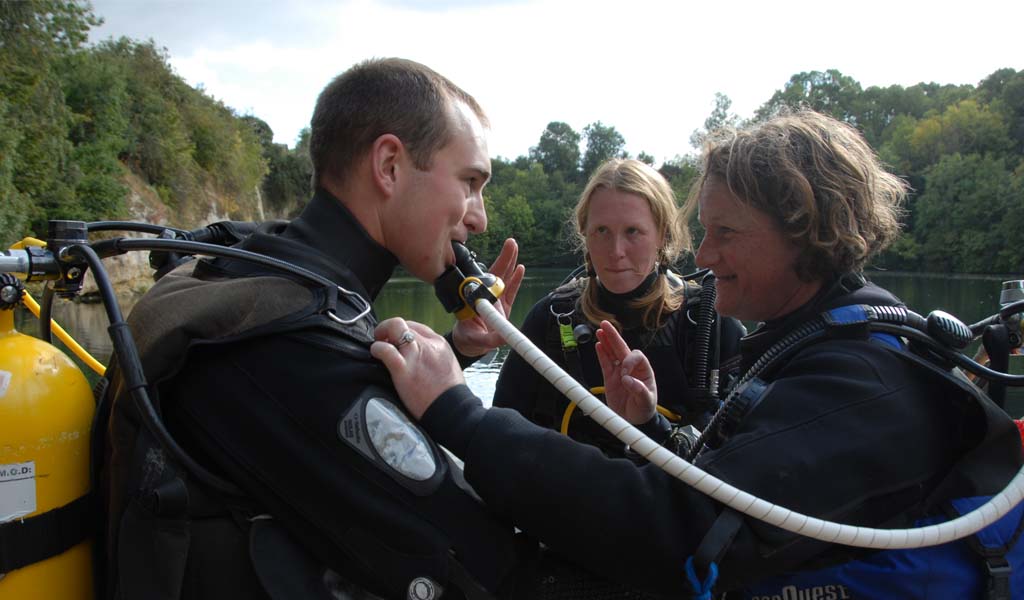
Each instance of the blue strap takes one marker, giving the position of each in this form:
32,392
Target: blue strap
701,591
851,314
888,339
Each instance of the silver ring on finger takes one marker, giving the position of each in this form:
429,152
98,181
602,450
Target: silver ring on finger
405,338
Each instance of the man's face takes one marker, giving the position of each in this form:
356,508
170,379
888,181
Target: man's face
444,203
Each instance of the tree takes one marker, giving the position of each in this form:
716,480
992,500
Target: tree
558,150
95,92
36,175
828,92
719,118
966,216
964,128
645,158
1004,92
603,143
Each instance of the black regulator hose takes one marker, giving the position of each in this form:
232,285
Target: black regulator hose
790,343
702,338
996,341
1004,313
133,226
135,380
46,313
117,246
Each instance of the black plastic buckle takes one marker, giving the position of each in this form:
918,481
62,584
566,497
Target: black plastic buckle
998,585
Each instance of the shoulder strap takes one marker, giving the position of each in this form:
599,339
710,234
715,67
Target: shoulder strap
987,545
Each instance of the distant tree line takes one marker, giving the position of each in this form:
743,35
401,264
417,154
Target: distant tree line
75,120
961,148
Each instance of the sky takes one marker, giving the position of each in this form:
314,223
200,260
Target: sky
649,68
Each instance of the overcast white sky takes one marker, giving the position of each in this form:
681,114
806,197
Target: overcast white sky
648,67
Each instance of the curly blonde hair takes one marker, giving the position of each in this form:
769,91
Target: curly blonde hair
634,177
818,179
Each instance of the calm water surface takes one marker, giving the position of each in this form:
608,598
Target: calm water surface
969,297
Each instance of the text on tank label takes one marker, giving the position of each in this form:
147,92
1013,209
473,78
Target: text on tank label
17,490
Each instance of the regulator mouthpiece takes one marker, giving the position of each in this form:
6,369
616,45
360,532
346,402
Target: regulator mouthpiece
465,282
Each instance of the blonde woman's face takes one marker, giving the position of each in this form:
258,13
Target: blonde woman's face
622,239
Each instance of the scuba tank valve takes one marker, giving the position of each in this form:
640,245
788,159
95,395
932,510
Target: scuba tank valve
465,282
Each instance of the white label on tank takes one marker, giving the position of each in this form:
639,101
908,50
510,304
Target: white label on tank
5,380
17,490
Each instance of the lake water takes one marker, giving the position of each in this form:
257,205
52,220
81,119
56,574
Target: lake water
971,298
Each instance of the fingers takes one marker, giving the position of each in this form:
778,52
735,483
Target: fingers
509,272
423,331
609,364
636,363
390,330
635,387
615,345
506,261
389,355
392,336
512,288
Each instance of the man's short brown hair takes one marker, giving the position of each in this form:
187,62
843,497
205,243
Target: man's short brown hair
377,97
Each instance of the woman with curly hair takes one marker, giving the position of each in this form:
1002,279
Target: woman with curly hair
831,418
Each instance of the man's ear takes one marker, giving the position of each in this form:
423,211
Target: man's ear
385,155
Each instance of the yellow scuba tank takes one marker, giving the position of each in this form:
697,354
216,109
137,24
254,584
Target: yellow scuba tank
46,408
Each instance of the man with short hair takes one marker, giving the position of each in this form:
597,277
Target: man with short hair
266,379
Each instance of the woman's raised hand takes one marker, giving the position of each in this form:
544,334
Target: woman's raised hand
629,384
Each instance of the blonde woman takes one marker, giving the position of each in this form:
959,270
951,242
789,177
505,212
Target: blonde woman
629,233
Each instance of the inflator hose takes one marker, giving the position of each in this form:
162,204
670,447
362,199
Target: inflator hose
743,502
135,381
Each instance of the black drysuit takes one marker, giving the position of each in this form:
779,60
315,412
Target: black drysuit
274,408
670,350
845,431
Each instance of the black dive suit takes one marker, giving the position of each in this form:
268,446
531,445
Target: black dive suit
670,350
261,387
846,430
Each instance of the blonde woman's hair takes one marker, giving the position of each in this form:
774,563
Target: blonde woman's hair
634,177
818,179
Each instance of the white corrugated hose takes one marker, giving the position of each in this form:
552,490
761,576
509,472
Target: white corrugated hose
773,514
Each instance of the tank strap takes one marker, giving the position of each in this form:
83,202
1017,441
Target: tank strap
27,541
989,547
716,541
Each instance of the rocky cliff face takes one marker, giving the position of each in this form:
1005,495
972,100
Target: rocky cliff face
130,273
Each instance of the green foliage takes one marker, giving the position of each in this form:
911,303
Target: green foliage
287,184
829,92
75,120
719,118
37,175
558,150
604,142
963,128
969,218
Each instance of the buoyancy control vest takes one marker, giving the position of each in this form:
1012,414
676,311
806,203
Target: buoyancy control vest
671,349
988,564
163,523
